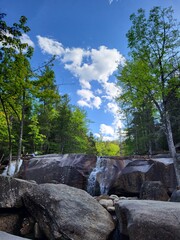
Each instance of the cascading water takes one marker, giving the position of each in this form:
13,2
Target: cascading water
12,168
97,177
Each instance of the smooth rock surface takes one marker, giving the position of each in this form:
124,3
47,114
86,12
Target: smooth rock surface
12,190
139,171
65,212
148,220
70,169
7,236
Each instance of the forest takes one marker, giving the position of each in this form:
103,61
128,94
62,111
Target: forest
35,118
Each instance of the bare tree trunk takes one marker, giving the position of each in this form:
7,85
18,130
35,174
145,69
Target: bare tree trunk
172,149
20,135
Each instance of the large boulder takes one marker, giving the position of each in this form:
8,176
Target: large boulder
105,173
12,190
65,212
153,190
138,171
175,197
146,219
70,169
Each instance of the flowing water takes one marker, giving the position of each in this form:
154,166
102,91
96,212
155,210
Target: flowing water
96,180
12,168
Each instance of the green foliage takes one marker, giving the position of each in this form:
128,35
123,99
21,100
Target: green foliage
151,77
107,148
32,113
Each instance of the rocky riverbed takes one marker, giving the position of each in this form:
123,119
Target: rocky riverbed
49,199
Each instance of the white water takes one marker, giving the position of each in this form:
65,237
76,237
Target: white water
96,177
12,168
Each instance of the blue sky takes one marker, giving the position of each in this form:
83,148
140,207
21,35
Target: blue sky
89,39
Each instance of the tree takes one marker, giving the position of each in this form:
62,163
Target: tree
107,148
154,68
14,66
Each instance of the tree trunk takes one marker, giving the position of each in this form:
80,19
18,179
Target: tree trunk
20,135
171,146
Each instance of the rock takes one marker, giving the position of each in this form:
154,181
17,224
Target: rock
65,212
138,171
114,197
110,208
27,226
106,203
153,190
10,222
147,219
12,190
105,173
7,236
175,197
70,169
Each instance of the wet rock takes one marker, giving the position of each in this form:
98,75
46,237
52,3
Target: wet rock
137,172
70,169
147,219
64,212
153,190
105,173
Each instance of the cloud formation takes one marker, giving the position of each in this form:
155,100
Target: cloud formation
111,1
88,99
90,65
26,39
50,46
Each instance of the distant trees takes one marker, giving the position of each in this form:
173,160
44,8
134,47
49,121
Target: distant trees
150,79
33,115
107,148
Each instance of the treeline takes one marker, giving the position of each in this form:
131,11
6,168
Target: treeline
150,82
34,117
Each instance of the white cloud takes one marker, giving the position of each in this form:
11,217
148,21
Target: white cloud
102,63
111,1
26,39
106,130
111,90
50,46
73,56
89,65
83,103
88,99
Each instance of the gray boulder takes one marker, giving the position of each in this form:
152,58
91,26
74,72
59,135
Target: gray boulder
12,190
153,190
65,212
175,197
138,171
146,219
7,236
70,169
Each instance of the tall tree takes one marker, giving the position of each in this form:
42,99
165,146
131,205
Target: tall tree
154,66
14,66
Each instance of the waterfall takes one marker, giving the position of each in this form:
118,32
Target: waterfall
12,168
97,177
